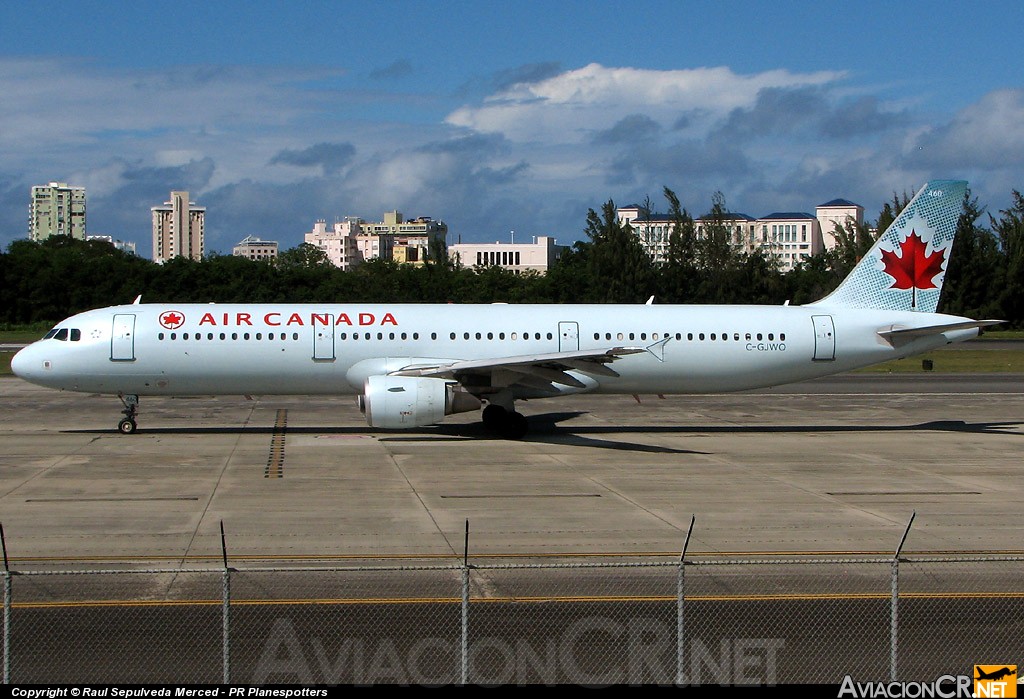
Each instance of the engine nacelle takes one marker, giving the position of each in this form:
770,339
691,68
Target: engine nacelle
402,402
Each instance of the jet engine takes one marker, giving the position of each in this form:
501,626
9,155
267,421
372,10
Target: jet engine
402,402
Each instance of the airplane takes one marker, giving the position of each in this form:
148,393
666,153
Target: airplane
411,365
994,675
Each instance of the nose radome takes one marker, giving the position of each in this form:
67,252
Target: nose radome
23,363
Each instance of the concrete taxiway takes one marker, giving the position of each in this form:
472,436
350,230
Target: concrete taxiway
835,465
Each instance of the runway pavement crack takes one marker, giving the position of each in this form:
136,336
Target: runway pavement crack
216,486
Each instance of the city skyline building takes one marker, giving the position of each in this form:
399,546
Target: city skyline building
536,256
353,240
786,237
255,248
179,227
56,208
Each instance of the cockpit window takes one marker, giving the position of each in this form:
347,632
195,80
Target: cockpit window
76,334
62,334
50,334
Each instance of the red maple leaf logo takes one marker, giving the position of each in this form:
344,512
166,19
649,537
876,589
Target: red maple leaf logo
912,269
172,319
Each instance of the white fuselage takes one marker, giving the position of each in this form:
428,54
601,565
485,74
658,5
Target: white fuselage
173,349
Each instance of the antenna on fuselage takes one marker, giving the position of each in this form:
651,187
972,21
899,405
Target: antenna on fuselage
138,300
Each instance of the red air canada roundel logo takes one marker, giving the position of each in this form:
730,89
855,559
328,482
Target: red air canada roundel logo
172,320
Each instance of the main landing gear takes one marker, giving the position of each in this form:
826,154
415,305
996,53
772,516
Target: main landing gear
131,409
505,421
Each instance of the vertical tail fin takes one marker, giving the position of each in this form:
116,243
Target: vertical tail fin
904,269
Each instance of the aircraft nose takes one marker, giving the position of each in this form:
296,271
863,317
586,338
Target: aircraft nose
24,364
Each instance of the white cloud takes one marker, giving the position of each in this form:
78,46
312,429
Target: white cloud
988,134
575,104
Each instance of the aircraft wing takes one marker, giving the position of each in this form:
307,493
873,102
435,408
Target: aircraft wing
533,370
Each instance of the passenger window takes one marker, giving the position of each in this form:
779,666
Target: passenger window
490,336
618,336
478,336
760,337
393,336
174,336
654,336
259,336
771,336
223,336
453,336
643,336
367,335
782,337
632,336
712,336
701,337
209,336
270,336
295,336
501,336
234,336
416,336
607,336
343,336
736,336
184,336
160,336
550,336
465,336
597,336
748,337
76,334
244,337
433,336
515,336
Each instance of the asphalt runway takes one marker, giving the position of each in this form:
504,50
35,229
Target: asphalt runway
834,465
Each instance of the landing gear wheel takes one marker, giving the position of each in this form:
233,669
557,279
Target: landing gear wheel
515,426
131,409
493,416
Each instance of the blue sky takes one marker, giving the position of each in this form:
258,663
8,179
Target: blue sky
519,118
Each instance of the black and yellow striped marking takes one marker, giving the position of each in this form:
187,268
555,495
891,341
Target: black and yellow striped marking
275,461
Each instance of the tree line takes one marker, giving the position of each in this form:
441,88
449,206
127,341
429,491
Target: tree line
50,280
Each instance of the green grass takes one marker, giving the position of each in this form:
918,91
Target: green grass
956,361
21,335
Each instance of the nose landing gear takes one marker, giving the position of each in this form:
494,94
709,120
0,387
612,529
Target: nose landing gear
131,409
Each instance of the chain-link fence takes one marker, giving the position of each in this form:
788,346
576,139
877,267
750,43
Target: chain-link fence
593,621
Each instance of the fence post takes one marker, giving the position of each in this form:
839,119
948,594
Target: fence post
225,611
894,602
7,609
465,608
680,598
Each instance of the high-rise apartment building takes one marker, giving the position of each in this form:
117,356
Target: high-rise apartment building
178,228
56,209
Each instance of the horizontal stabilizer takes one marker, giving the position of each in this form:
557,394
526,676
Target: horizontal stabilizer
894,334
